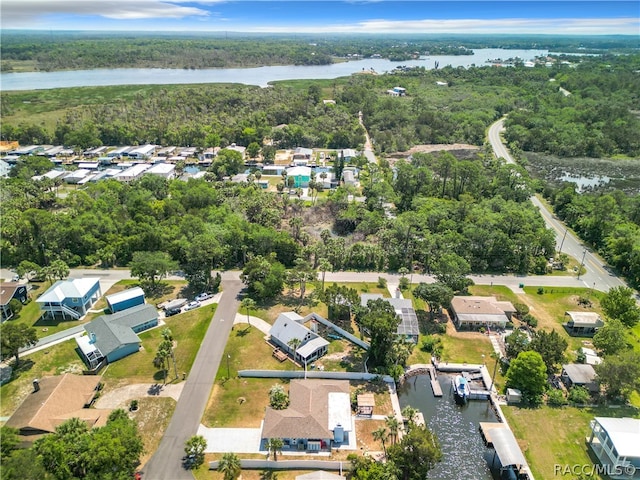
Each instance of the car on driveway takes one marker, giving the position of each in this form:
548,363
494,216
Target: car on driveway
203,296
172,311
192,305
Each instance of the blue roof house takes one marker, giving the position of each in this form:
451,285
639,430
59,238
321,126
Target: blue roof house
112,337
125,299
70,298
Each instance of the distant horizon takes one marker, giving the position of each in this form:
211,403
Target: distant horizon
362,17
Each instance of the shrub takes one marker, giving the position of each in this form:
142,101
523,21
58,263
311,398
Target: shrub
404,283
540,290
521,309
382,282
530,320
579,394
555,398
133,406
429,343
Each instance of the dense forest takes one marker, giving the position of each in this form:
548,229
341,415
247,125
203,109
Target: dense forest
471,214
47,51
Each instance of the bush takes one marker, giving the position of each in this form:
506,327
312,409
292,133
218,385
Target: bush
555,398
133,406
521,309
432,344
404,283
382,282
540,290
579,394
530,320
15,306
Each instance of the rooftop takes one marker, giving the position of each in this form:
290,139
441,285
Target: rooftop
579,373
124,295
624,434
70,288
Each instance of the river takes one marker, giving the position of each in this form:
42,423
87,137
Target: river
260,76
464,453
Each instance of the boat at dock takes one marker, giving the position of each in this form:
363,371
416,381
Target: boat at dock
461,390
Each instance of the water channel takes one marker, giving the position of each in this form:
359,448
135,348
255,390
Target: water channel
464,453
260,76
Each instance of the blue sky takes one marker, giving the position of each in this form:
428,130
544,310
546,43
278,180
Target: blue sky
333,16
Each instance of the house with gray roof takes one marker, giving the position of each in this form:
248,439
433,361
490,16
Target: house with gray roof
318,416
288,327
112,337
581,375
583,324
408,326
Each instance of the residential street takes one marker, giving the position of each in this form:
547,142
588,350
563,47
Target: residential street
166,463
598,275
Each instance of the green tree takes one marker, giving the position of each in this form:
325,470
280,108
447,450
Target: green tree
579,394
248,304
15,306
14,337
619,304
436,295
28,270
274,446
264,277
380,321
452,270
394,426
8,441
528,373
619,374
416,454
324,266
227,163
516,343
59,269
152,266
551,347
253,149
612,338
268,475
278,398
229,466
23,464
196,446
380,435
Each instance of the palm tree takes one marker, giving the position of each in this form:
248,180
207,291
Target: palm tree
268,475
167,337
323,266
229,466
274,445
248,304
411,415
381,435
394,427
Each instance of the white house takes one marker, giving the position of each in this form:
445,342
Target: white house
616,443
77,175
142,152
132,172
166,170
475,312
288,327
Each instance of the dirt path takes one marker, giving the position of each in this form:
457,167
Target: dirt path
121,397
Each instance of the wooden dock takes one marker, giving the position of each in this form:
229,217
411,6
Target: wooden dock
435,384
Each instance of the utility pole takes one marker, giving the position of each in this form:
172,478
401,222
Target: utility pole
228,370
584,254
562,242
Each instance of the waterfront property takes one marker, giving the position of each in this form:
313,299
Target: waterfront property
318,417
616,443
55,400
128,298
408,326
476,312
112,337
8,292
583,324
70,298
288,330
506,451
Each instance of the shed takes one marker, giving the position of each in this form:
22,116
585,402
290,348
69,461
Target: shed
125,299
514,395
366,402
583,324
582,375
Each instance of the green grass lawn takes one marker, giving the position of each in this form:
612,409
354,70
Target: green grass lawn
188,331
550,436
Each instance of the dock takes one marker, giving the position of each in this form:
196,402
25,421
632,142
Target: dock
435,384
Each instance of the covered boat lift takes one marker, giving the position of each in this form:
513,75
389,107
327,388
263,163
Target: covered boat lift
506,449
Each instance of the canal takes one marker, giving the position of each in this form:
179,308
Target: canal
464,453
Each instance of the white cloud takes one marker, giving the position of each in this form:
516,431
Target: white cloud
26,13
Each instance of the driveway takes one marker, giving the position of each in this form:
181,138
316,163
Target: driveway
236,440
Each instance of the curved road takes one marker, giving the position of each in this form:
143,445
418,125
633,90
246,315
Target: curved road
598,275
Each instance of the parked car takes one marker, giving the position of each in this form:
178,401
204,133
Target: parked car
15,278
172,311
192,305
203,296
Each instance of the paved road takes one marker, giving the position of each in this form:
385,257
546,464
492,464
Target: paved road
166,462
368,149
598,274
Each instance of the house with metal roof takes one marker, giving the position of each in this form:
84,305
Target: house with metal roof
301,176
128,298
408,326
616,443
55,400
70,298
132,172
583,324
289,327
317,419
476,312
112,337
166,170
579,374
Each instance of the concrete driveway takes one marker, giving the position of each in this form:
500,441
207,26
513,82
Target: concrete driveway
236,440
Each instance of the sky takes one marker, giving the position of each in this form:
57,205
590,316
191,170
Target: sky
331,16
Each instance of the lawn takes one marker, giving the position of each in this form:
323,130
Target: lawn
188,330
550,436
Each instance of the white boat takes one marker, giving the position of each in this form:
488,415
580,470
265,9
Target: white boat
461,389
